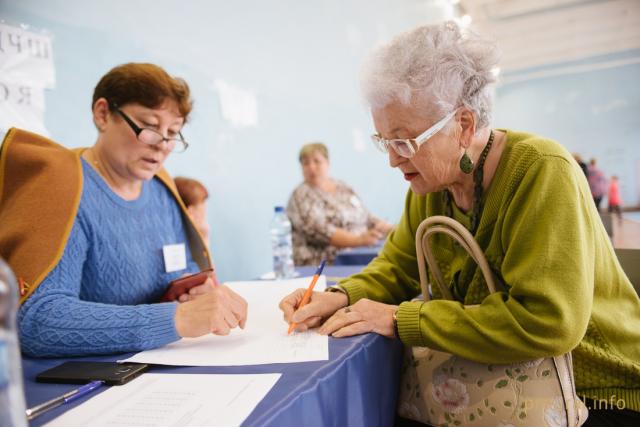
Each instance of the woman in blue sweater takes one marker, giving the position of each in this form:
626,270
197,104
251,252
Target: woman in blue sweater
129,236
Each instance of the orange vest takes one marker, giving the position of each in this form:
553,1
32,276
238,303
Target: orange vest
40,190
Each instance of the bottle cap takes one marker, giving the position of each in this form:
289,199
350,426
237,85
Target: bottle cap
278,209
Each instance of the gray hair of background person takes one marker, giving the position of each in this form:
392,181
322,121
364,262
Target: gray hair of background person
455,68
311,148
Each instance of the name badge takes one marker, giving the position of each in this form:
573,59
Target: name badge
175,257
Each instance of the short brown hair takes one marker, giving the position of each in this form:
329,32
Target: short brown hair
191,191
145,84
311,148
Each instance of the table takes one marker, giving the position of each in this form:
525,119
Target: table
333,272
357,256
629,260
358,385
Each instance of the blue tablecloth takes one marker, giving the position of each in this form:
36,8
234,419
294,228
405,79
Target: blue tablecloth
332,272
360,256
357,386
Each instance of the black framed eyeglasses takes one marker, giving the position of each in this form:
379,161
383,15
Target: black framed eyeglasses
153,137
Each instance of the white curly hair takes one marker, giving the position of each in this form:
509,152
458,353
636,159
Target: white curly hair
439,67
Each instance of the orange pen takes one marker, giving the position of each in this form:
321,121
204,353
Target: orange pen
307,295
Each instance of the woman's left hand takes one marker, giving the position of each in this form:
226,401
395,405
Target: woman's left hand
196,291
362,317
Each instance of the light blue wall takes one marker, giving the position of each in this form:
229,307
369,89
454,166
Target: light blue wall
593,111
301,59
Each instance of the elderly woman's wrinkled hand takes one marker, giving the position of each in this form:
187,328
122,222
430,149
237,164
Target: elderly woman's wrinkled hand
321,306
362,317
216,311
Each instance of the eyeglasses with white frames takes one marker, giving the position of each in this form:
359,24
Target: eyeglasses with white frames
409,147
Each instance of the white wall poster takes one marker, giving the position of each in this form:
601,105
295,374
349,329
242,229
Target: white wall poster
26,69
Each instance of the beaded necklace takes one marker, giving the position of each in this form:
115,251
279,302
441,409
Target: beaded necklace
478,176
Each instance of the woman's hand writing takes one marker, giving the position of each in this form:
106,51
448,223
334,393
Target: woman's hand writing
320,306
216,311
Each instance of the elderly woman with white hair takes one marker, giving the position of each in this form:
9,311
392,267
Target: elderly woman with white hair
528,205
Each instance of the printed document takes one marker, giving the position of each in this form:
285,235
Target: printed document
158,400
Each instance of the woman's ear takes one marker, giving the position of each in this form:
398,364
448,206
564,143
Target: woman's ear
467,127
101,113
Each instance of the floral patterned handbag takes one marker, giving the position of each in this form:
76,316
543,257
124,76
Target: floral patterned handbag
442,389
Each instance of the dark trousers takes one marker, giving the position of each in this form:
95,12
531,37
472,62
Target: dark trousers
616,209
612,417
404,422
601,415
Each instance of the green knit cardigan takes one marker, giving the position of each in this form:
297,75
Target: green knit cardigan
564,288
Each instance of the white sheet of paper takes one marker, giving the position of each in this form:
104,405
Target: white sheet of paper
173,400
264,339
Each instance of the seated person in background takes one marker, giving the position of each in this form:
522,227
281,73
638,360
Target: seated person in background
109,234
326,214
194,195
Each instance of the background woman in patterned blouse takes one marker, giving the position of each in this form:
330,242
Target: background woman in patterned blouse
326,214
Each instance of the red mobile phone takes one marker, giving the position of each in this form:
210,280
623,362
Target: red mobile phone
182,285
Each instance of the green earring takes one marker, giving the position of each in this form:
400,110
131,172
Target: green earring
466,164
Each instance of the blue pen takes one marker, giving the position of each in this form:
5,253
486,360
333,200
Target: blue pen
65,398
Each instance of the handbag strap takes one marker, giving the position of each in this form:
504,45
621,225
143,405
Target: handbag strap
442,224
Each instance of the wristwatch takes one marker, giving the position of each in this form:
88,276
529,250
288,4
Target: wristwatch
395,323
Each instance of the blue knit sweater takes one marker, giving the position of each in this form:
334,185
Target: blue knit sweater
98,299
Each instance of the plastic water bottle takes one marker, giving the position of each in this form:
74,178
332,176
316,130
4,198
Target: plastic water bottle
281,244
12,409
